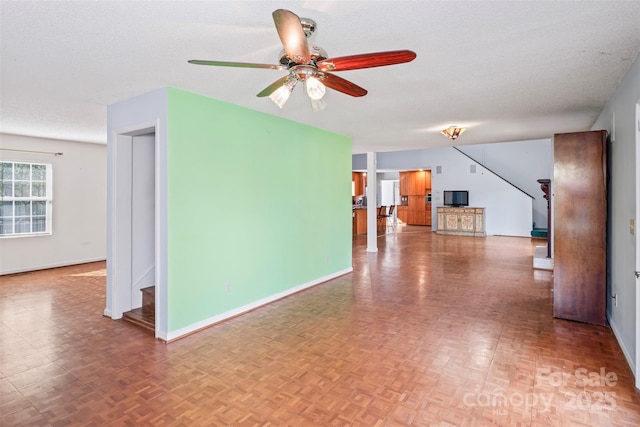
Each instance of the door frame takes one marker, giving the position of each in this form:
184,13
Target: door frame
637,241
119,234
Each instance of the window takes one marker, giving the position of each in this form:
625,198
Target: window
25,199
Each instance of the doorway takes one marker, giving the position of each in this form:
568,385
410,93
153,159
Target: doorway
143,204
390,196
132,256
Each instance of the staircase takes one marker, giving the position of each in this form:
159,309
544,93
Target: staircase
144,316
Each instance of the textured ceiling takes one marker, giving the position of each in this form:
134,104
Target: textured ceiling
507,70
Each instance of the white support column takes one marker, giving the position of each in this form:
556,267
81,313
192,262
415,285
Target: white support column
372,210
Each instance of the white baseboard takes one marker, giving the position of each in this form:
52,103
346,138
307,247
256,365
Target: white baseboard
173,335
627,354
54,265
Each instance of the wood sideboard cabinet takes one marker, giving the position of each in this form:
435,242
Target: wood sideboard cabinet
465,221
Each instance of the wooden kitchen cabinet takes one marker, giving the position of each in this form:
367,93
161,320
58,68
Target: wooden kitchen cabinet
416,183
417,217
416,210
359,180
404,191
402,213
416,203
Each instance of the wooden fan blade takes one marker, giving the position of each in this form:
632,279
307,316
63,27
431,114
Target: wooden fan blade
273,87
341,85
237,64
292,36
366,60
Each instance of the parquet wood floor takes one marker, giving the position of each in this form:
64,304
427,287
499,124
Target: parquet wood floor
430,331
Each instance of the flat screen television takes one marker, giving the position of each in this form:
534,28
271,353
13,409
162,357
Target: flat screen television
456,198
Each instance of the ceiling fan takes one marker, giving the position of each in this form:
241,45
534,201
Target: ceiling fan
309,64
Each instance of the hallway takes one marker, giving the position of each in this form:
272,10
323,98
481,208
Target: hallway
431,330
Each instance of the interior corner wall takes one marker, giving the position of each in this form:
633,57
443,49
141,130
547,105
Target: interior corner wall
78,208
618,118
522,163
257,206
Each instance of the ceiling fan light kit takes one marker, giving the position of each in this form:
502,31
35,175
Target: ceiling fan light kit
318,104
309,64
282,94
315,89
453,132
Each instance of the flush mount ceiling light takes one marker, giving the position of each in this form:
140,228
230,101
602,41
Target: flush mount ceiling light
452,132
310,64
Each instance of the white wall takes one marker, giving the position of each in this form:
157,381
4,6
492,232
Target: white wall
79,205
508,210
386,193
622,202
522,163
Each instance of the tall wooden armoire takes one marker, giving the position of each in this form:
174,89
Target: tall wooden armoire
580,226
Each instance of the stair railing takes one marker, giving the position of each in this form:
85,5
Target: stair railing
494,173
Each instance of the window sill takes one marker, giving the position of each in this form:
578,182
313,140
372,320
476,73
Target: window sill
16,236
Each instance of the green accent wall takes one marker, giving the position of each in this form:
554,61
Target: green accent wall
257,205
